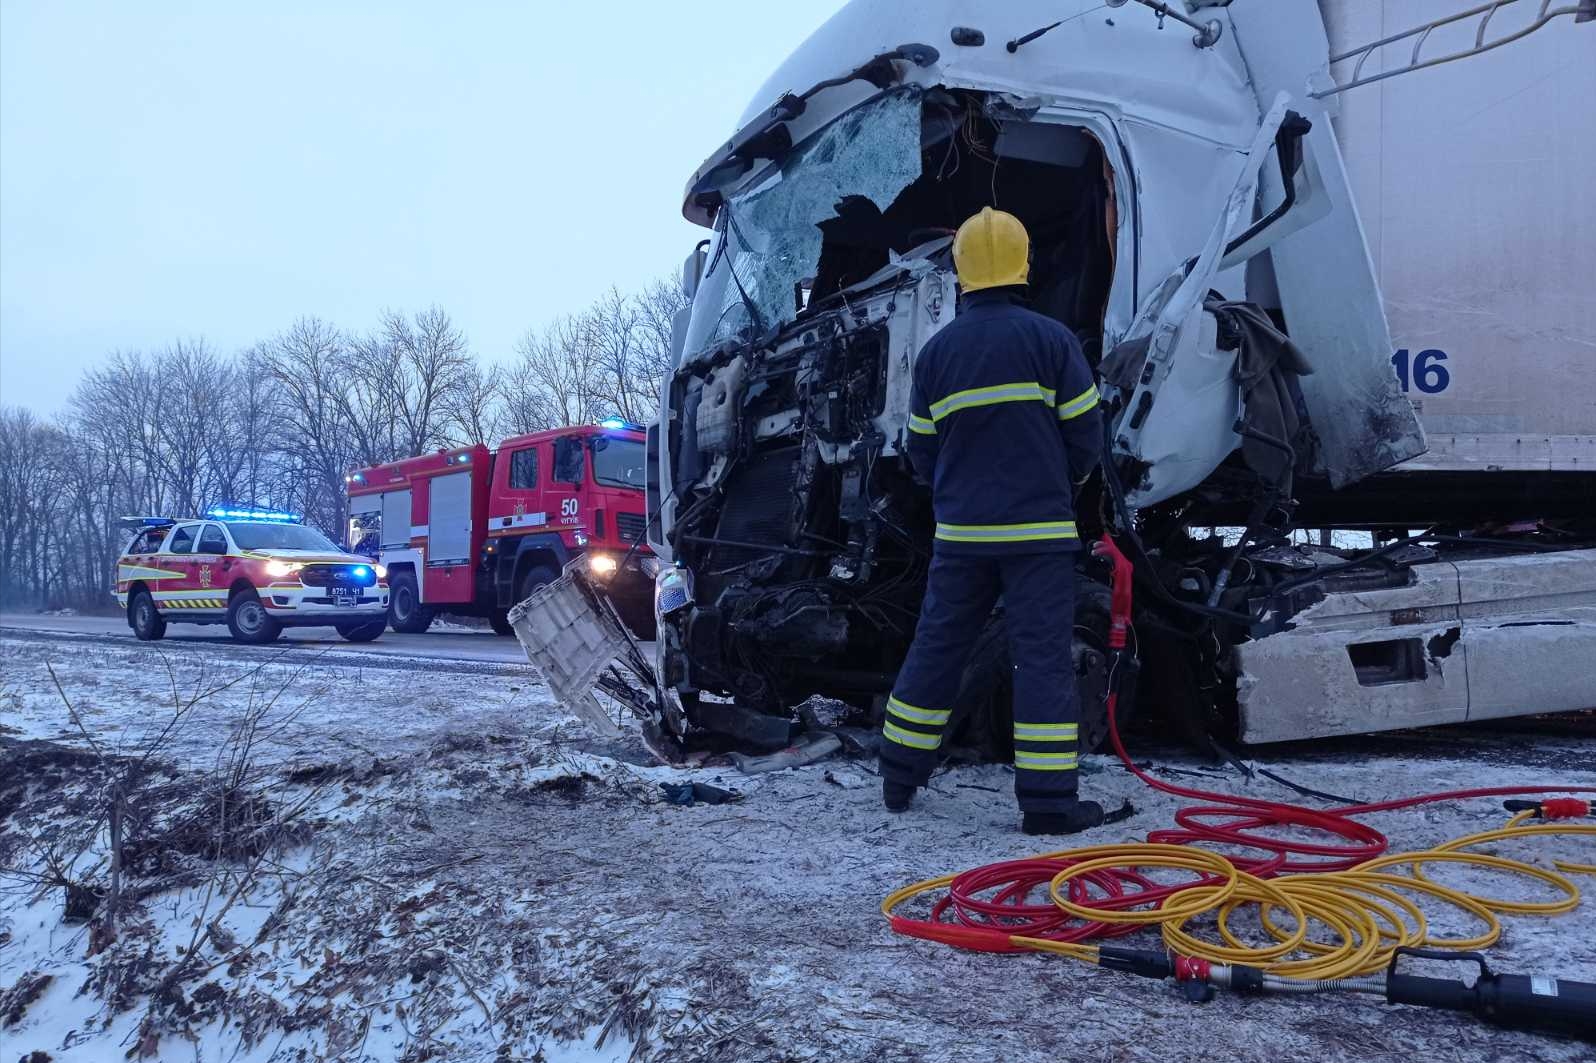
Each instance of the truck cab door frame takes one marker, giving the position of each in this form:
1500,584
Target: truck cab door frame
1177,422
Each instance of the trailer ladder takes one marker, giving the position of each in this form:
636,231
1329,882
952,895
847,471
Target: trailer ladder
1583,11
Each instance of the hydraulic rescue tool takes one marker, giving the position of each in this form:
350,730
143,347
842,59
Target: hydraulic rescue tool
1349,884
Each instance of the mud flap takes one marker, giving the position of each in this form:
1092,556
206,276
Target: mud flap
573,637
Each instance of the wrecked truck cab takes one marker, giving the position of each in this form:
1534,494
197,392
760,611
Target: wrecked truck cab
1191,221
797,536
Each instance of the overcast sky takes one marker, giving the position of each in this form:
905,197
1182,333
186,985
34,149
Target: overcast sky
211,169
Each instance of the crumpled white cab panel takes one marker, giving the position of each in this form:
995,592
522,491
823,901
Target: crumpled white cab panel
1468,640
1325,276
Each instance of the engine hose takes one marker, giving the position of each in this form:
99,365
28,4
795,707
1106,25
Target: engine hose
1349,883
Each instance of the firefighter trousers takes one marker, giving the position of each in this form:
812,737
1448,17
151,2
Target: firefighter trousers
1038,593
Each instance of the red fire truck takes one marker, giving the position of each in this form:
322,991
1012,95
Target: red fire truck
473,531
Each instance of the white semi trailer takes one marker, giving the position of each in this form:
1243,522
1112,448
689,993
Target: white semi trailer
1325,285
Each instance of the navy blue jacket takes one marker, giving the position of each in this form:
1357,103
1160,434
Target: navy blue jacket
1004,423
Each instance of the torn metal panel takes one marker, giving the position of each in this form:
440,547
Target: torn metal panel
1306,684
1177,420
1324,274
572,637
1466,640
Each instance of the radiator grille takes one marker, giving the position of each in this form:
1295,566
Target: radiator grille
337,576
629,526
758,505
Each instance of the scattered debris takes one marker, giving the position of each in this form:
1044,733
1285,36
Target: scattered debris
810,747
689,793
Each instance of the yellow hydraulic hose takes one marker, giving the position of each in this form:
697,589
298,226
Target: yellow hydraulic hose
1337,924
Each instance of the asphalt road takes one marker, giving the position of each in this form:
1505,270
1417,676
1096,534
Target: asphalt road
450,645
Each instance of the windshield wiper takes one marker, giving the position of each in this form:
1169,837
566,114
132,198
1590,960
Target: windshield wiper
756,318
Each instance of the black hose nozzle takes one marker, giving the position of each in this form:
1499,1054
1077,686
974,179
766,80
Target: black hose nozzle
1531,1002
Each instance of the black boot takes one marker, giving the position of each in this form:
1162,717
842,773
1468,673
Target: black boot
896,795
1082,815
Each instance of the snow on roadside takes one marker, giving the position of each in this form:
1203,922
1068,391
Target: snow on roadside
125,694
478,881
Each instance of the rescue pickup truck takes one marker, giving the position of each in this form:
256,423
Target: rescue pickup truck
257,571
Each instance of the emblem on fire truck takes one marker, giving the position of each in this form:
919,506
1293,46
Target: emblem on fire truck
205,576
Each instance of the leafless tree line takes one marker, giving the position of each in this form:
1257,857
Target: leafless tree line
280,424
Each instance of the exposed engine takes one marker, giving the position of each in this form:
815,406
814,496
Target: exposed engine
807,538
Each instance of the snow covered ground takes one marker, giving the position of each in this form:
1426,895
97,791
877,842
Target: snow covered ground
429,864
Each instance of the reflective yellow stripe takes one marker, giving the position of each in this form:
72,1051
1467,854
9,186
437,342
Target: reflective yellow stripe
146,572
1022,391
1047,732
1045,761
921,425
1007,533
1078,405
916,714
912,739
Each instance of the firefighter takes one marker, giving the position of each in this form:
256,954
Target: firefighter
1004,424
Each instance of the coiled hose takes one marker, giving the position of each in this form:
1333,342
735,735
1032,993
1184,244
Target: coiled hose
1346,882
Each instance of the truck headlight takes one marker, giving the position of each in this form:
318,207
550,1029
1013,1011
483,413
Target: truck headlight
602,565
381,571
673,591
649,564
282,568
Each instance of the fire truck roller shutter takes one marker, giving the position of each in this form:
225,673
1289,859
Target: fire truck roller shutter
449,518
396,519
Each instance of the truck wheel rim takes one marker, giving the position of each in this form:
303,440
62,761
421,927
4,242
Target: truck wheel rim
401,601
144,617
250,616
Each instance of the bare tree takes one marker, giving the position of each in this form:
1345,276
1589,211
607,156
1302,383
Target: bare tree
661,308
556,379
474,410
308,363
284,421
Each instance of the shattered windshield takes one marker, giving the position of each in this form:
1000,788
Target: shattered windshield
767,237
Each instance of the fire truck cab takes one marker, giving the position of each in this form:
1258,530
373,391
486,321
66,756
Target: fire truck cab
473,531
257,571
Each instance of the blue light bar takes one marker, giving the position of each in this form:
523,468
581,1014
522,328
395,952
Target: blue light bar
157,522
269,516
613,422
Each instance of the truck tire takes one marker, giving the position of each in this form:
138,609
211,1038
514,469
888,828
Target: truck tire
405,612
363,632
535,577
249,621
144,618
499,621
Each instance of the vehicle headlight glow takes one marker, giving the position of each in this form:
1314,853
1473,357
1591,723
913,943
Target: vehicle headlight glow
380,570
602,564
282,568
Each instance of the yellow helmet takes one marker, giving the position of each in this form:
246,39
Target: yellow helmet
992,250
